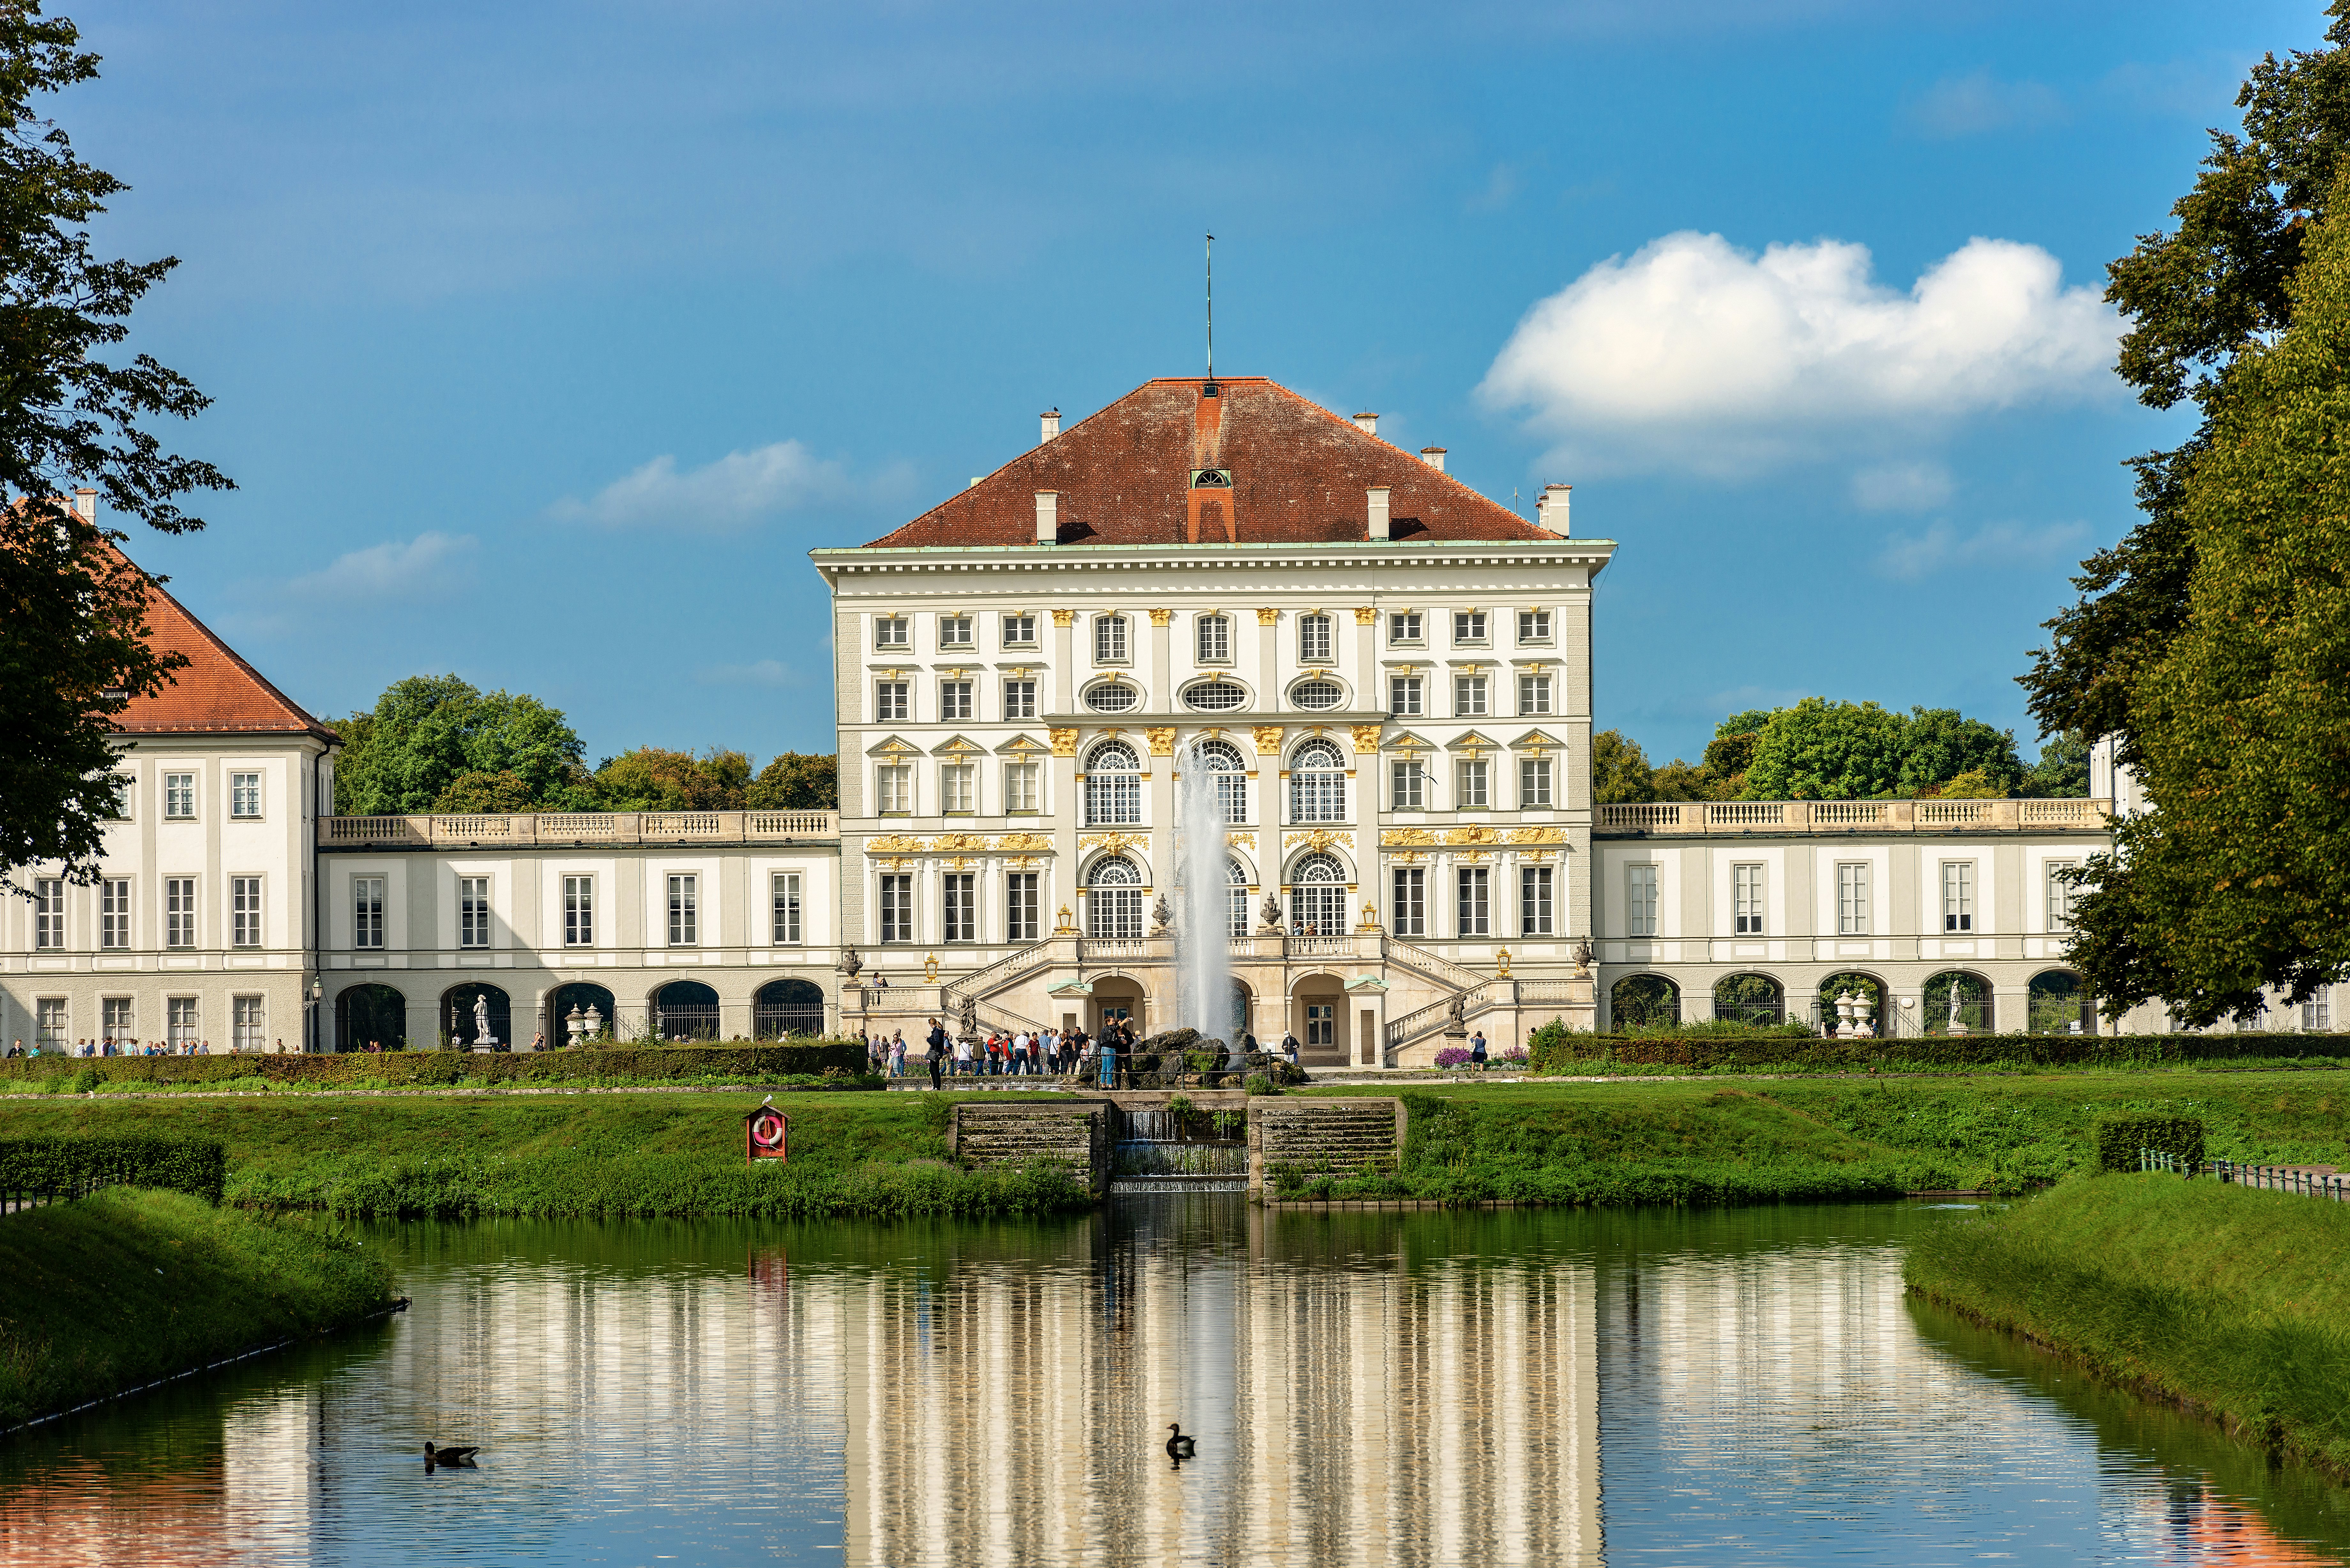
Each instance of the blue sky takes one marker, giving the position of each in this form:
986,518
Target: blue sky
547,340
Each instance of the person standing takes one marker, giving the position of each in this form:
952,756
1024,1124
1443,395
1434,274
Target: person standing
898,1054
1020,1053
1477,1050
937,1054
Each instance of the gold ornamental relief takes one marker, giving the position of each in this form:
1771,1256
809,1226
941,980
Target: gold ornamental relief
1321,840
958,843
1535,835
893,844
1064,743
1472,835
1161,617
1268,740
1367,740
1365,615
1162,737
1025,843
1268,616
1112,843
1408,838
1064,617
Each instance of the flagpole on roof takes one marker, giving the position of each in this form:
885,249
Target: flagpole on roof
1211,307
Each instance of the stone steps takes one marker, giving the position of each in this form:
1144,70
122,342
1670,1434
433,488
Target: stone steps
1341,1137
983,1134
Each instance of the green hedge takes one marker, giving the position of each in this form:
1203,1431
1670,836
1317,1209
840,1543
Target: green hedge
2119,1139
1560,1051
747,1063
196,1166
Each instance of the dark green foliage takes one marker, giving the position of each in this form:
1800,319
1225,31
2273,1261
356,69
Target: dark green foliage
728,1063
1555,1050
196,1166
2062,773
651,778
436,738
1619,769
797,781
2120,1140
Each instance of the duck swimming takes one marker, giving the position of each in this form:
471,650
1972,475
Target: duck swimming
433,1456
1179,1447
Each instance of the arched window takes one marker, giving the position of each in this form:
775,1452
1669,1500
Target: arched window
1221,760
1317,784
1317,896
1114,900
1236,899
1113,786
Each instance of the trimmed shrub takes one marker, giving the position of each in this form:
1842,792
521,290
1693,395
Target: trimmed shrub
744,1062
198,1167
1556,1050
2120,1137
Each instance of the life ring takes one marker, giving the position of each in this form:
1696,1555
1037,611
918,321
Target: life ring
767,1130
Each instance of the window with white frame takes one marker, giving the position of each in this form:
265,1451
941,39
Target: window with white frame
1314,639
896,906
2060,895
579,912
1852,897
49,1019
1019,700
684,910
1111,697
1958,896
180,797
178,911
954,631
1403,626
1408,785
249,1019
1020,631
959,907
1746,901
184,1020
1236,899
1109,639
890,700
472,911
114,912
1534,695
1020,906
1408,912
1534,901
2318,1013
244,796
1404,696
1640,900
895,791
1473,897
958,791
892,631
955,699
1468,696
1220,763
1467,626
1317,896
1214,639
1533,784
366,911
244,911
116,1020
1472,779
1114,900
1217,696
1316,695
1317,784
1534,626
126,792
1019,788
1113,786
784,908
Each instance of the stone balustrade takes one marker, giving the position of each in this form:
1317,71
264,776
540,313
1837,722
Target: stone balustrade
569,830
1706,817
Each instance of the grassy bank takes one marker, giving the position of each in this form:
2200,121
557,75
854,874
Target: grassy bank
832,1063
1557,1052
2221,1297
130,1285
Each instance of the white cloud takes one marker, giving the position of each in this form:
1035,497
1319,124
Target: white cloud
391,568
763,672
1910,557
739,489
1973,104
1902,487
1694,353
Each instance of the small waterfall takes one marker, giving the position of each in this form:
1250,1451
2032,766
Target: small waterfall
1203,958
1155,1157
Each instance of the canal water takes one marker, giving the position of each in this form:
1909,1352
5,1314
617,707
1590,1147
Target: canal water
1666,1387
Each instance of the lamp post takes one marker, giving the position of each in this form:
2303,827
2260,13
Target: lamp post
310,1024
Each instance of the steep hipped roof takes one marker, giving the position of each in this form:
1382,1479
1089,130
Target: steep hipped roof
217,694
1298,475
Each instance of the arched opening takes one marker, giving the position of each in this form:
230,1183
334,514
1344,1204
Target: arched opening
1317,1006
1750,998
787,1007
685,1010
1114,900
1317,896
1113,786
1317,783
1243,1012
1118,1000
597,1011
1955,997
2057,1004
1644,1001
1221,760
1866,988
463,1021
369,1015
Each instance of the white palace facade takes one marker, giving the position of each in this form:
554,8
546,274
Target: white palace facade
1384,675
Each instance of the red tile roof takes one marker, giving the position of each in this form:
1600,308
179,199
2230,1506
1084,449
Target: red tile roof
217,694
1298,476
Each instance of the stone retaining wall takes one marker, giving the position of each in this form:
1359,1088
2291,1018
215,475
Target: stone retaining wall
982,1134
1337,1137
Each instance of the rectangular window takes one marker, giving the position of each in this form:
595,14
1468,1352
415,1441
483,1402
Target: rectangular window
50,1023
1020,632
1958,896
1533,784
1403,626
1467,626
954,631
1109,639
1410,912
178,911
1471,792
955,699
1468,696
1534,626
1404,696
958,911
1534,900
244,911
1019,788
2318,1013
896,908
1852,899
893,631
1746,901
1215,640
579,912
1640,900
2060,896
1409,778
49,912
115,1018
472,911
1314,639
684,911
1113,798
114,912
366,911
1019,698
1020,906
956,791
180,797
1474,886
183,1020
889,701
126,791
250,1020
897,792
1534,695
784,906
244,794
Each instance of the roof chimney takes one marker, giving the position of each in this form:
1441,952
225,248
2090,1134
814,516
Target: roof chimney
1378,498
1051,421
1048,516
1367,424
85,503
1433,456
1550,508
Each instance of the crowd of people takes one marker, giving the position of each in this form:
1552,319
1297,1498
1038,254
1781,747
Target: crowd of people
109,1046
998,1053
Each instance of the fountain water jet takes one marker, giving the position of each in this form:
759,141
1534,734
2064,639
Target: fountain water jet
1204,962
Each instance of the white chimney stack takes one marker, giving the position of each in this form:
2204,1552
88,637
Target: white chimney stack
85,503
1550,510
1379,499
1367,424
1050,420
1433,456
1048,516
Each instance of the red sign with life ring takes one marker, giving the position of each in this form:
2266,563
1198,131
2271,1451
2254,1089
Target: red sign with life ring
767,1134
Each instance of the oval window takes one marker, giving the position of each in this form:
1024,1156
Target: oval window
1111,699
1316,695
1215,696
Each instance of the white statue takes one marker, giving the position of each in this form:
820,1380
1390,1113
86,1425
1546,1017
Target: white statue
481,1035
1956,1025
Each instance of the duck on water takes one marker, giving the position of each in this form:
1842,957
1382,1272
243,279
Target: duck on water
1178,1447
433,1456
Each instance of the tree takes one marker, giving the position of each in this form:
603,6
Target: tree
1620,770
427,731
797,781
2063,770
1819,750
2240,724
654,779
485,794
1941,744
74,637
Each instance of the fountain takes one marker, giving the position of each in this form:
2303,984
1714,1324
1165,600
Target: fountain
1203,959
